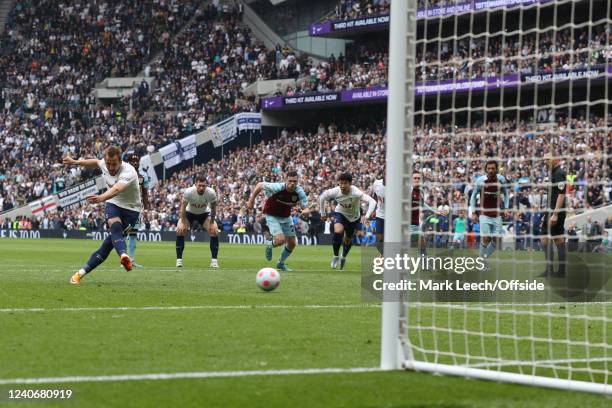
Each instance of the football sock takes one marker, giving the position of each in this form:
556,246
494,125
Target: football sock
117,236
336,242
99,255
214,247
345,249
132,246
284,255
483,249
490,249
180,246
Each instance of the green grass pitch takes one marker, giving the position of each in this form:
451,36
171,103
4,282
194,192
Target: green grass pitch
315,319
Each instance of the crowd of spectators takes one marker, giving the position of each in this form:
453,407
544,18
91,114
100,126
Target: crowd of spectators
209,64
361,152
461,59
338,73
495,55
449,158
31,147
349,9
52,53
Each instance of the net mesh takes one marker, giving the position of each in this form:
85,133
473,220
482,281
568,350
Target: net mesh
514,84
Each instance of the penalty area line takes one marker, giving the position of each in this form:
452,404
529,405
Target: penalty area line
186,375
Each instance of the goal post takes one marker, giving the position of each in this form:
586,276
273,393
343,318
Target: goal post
402,38
525,84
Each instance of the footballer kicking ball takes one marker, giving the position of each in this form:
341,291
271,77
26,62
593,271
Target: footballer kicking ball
267,279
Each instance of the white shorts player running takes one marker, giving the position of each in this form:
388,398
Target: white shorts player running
347,215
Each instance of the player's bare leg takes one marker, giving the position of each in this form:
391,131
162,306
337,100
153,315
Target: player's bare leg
290,243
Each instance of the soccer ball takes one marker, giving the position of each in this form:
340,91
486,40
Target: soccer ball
267,279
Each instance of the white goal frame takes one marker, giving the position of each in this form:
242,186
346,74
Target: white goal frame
396,350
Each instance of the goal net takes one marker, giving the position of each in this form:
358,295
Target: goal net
524,85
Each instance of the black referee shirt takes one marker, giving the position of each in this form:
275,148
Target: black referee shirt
558,184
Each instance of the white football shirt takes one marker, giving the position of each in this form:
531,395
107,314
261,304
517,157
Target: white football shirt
378,188
199,203
130,197
349,204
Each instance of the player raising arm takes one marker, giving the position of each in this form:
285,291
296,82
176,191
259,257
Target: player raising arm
123,206
198,205
280,197
346,216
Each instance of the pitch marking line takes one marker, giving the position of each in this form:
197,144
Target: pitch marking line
195,307
185,375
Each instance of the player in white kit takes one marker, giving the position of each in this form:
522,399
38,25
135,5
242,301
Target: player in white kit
123,207
346,216
378,192
198,204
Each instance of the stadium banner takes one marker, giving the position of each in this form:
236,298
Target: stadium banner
75,194
566,75
146,167
324,97
179,151
159,236
44,204
248,121
477,84
382,20
355,95
223,132
447,86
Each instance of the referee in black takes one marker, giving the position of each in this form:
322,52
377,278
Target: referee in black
553,222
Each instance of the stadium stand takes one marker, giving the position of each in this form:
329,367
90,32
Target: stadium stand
362,153
463,59
348,9
206,66
47,106
47,102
